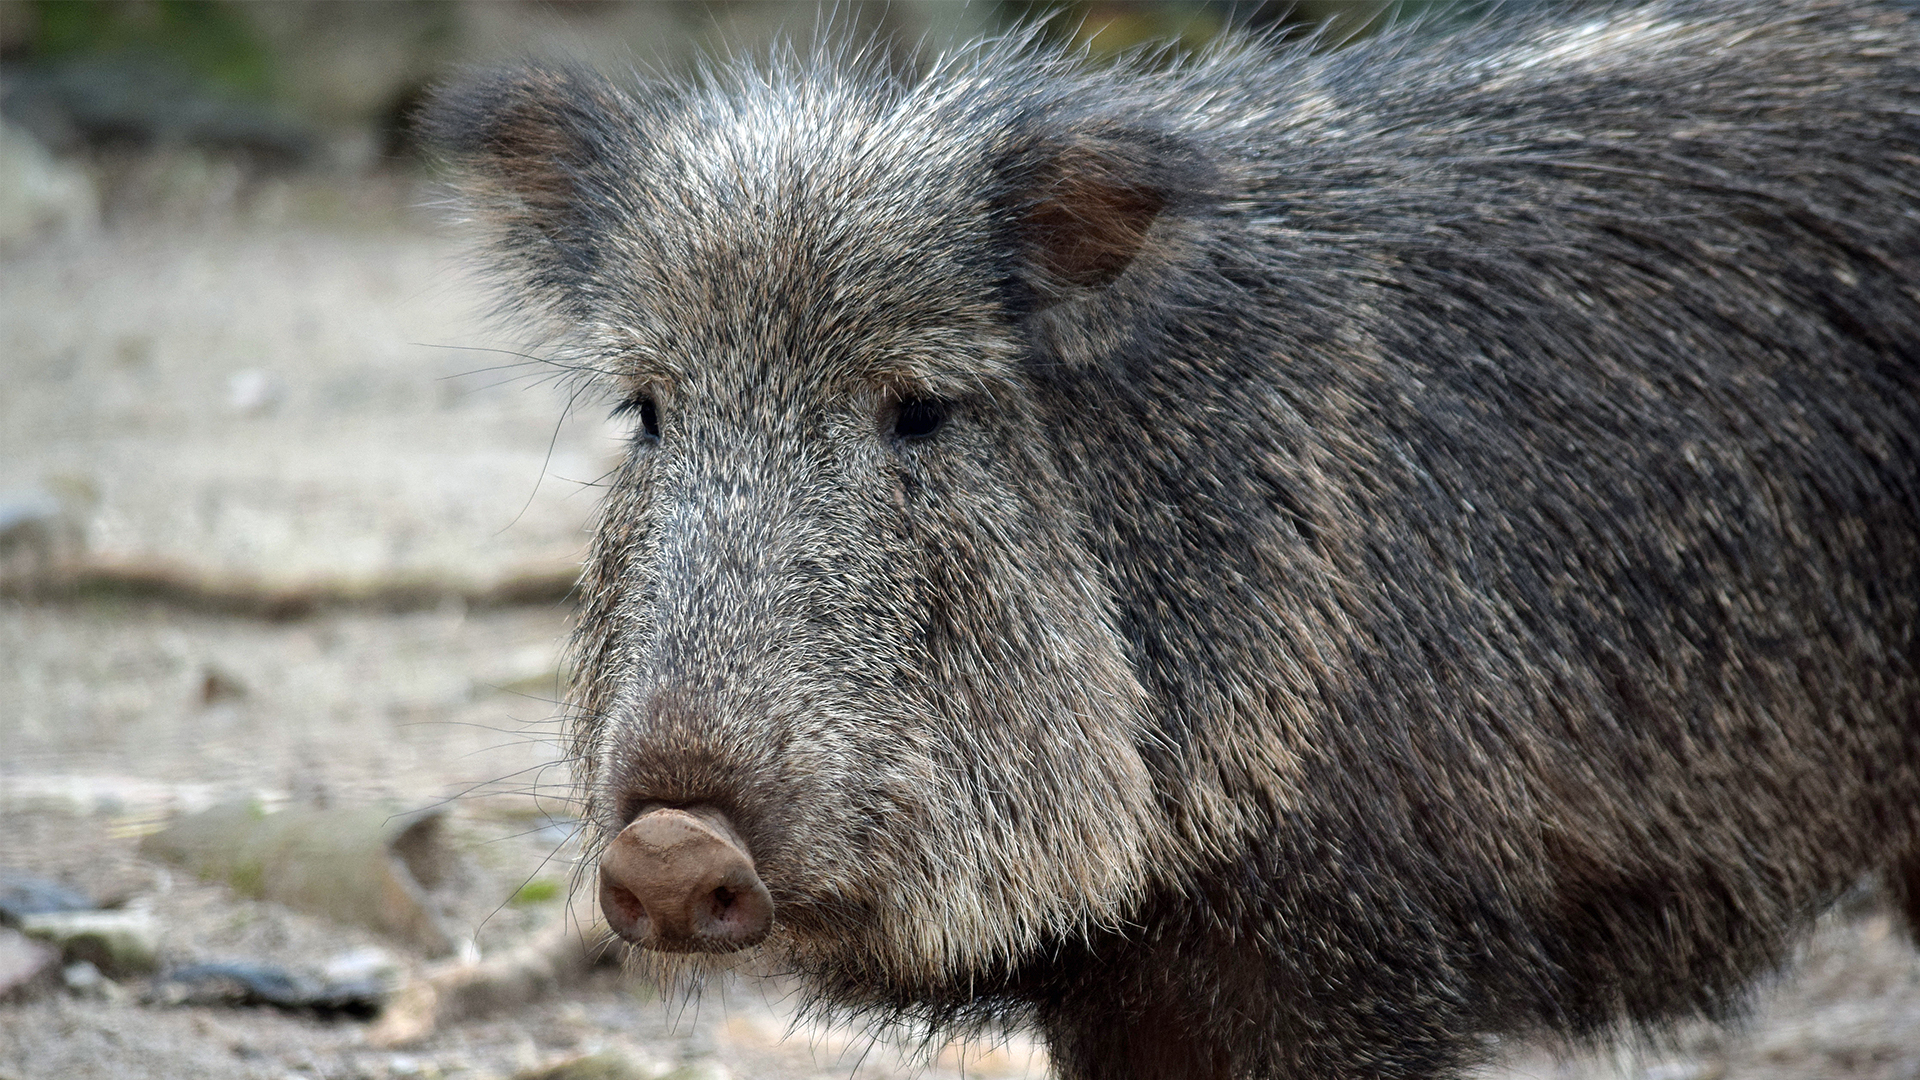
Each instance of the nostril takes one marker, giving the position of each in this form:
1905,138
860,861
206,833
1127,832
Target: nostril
628,905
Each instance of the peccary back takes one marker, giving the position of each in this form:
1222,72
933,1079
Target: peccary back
1273,568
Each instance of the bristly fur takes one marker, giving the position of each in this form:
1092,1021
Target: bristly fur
1420,540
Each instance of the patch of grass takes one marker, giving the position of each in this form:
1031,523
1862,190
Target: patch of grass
537,891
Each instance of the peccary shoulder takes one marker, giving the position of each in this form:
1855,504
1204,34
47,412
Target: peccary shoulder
1274,568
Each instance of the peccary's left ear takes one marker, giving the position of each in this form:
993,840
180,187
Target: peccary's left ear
1083,204
541,148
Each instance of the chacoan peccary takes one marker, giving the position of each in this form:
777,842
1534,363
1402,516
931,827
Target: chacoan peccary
1277,565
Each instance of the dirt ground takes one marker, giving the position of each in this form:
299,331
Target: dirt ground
286,388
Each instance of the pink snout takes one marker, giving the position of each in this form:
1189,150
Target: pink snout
682,881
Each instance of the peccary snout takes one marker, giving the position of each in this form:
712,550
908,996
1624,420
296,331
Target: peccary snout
682,881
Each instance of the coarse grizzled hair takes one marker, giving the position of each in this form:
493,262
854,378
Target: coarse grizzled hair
1271,565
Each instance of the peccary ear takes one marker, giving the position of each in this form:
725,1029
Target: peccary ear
1083,205
540,146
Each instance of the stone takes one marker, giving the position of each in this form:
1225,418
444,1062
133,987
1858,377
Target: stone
124,942
364,866
246,983
28,968
24,894
605,1065
40,195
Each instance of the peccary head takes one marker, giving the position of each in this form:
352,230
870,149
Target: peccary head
841,597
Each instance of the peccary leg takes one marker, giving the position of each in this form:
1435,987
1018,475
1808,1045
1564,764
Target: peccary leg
1116,1032
1147,1048
1208,1007
1221,991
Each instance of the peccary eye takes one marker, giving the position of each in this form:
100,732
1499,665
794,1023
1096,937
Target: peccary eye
649,416
918,418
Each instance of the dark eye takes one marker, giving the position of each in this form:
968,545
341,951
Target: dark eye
649,414
918,418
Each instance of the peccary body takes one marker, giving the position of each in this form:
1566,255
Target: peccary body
1272,568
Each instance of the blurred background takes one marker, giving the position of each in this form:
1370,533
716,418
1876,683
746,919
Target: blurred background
287,527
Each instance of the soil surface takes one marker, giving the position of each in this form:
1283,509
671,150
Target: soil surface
289,390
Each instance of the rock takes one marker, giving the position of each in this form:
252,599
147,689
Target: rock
83,979
125,942
368,965
704,1069
606,1065
253,392
38,537
23,894
28,968
41,195
218,685
111,795
246,983
362,865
